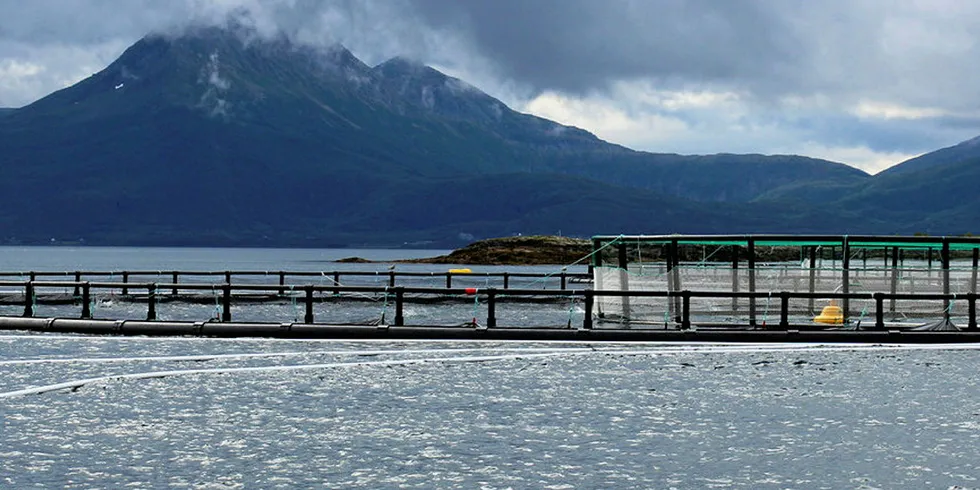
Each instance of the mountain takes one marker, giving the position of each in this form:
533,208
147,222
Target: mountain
957,153
217,137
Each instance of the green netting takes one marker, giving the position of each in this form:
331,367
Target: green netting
741,243
766,243
896,244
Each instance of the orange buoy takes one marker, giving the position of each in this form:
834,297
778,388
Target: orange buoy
831,314
470,290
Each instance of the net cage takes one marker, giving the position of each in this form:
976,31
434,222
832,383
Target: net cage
715,267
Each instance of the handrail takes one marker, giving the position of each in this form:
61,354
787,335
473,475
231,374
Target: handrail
491,295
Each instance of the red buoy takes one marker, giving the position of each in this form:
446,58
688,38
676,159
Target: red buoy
470,290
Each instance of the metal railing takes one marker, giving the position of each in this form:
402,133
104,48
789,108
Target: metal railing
491,296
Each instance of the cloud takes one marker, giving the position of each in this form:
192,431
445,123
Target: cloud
867,80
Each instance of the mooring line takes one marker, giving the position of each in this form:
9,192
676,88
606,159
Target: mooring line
214,357
75,384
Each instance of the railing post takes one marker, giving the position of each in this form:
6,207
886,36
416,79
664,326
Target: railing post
282,283
151,302
399,307
506,280
449,280
750,246
813,277
226,302
336,282
589,300
685,310
563,280
78,279
391,278
125,290
944,257
784,309
173,281
491,308
971,299
879,310
29,299
86,301
227,277
308,318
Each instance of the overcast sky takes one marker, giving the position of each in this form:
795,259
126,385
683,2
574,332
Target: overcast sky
865,82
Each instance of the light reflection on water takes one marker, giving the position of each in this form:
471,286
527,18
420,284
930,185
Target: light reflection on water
643,416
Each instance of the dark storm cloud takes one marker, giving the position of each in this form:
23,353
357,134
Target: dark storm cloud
792,73
581,45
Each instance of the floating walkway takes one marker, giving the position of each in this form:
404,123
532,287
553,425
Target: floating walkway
671,288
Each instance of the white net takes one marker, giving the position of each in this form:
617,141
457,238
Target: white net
822,276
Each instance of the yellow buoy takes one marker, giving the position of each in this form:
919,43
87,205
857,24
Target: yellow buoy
831,314
459,271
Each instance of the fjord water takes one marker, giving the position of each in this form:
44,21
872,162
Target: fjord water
255,413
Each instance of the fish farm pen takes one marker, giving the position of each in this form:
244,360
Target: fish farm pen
638,288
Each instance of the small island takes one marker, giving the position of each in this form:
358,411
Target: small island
516,250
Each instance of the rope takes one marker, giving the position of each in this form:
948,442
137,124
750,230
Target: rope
476,304
571,308
587,256
765,314
292,299
384,306
217,302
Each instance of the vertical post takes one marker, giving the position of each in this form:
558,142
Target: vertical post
930,260
973,272
879,311
673,311
751,250
151,302
971,299
491,308
507,279
282,283
399,307
173,280
227,277
29,299
735,249
624,279
864,259
589,300
676,271
563,280
308,317
845,261
336,282
685,310
86,301
226,302
125,290
813,277
449,280
894,284
784,309
944,258
78,279
391,278
596,255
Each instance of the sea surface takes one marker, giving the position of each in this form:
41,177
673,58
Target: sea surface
111,412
